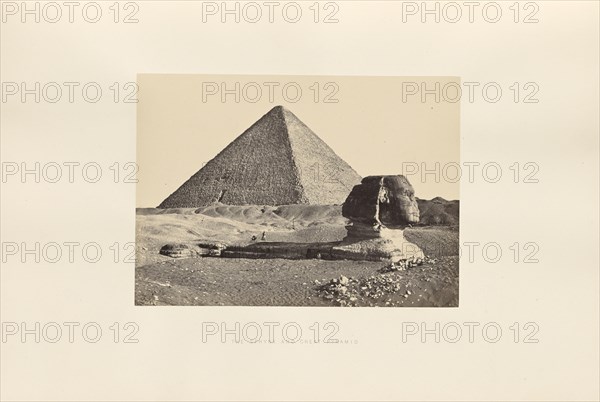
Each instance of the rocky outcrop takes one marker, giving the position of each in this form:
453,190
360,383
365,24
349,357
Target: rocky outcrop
438,211
181,250
188,250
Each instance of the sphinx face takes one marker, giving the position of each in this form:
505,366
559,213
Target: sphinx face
387,200
398,207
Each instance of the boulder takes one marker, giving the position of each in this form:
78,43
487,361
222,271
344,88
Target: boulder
181,250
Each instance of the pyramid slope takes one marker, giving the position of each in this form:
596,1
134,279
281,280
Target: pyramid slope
268,164
325,177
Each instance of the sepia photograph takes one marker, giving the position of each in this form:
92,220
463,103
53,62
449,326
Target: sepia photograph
338,205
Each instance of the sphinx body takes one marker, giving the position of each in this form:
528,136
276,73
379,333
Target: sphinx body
379,209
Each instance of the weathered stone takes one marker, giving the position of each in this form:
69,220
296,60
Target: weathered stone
183,250
379,209
389,246
382,200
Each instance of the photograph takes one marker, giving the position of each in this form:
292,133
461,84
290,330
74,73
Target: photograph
277,217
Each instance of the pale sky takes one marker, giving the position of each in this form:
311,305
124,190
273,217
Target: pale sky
183,122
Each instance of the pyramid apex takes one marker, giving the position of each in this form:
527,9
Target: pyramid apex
277,108
275,113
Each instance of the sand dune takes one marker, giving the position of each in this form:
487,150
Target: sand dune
284,215
234,225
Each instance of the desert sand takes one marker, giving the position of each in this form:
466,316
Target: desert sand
162,280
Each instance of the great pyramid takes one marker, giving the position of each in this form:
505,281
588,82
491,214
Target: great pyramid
277,161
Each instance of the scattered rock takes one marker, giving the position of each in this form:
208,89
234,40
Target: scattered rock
365,291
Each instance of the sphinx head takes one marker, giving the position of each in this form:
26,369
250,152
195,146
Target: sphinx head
386,200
